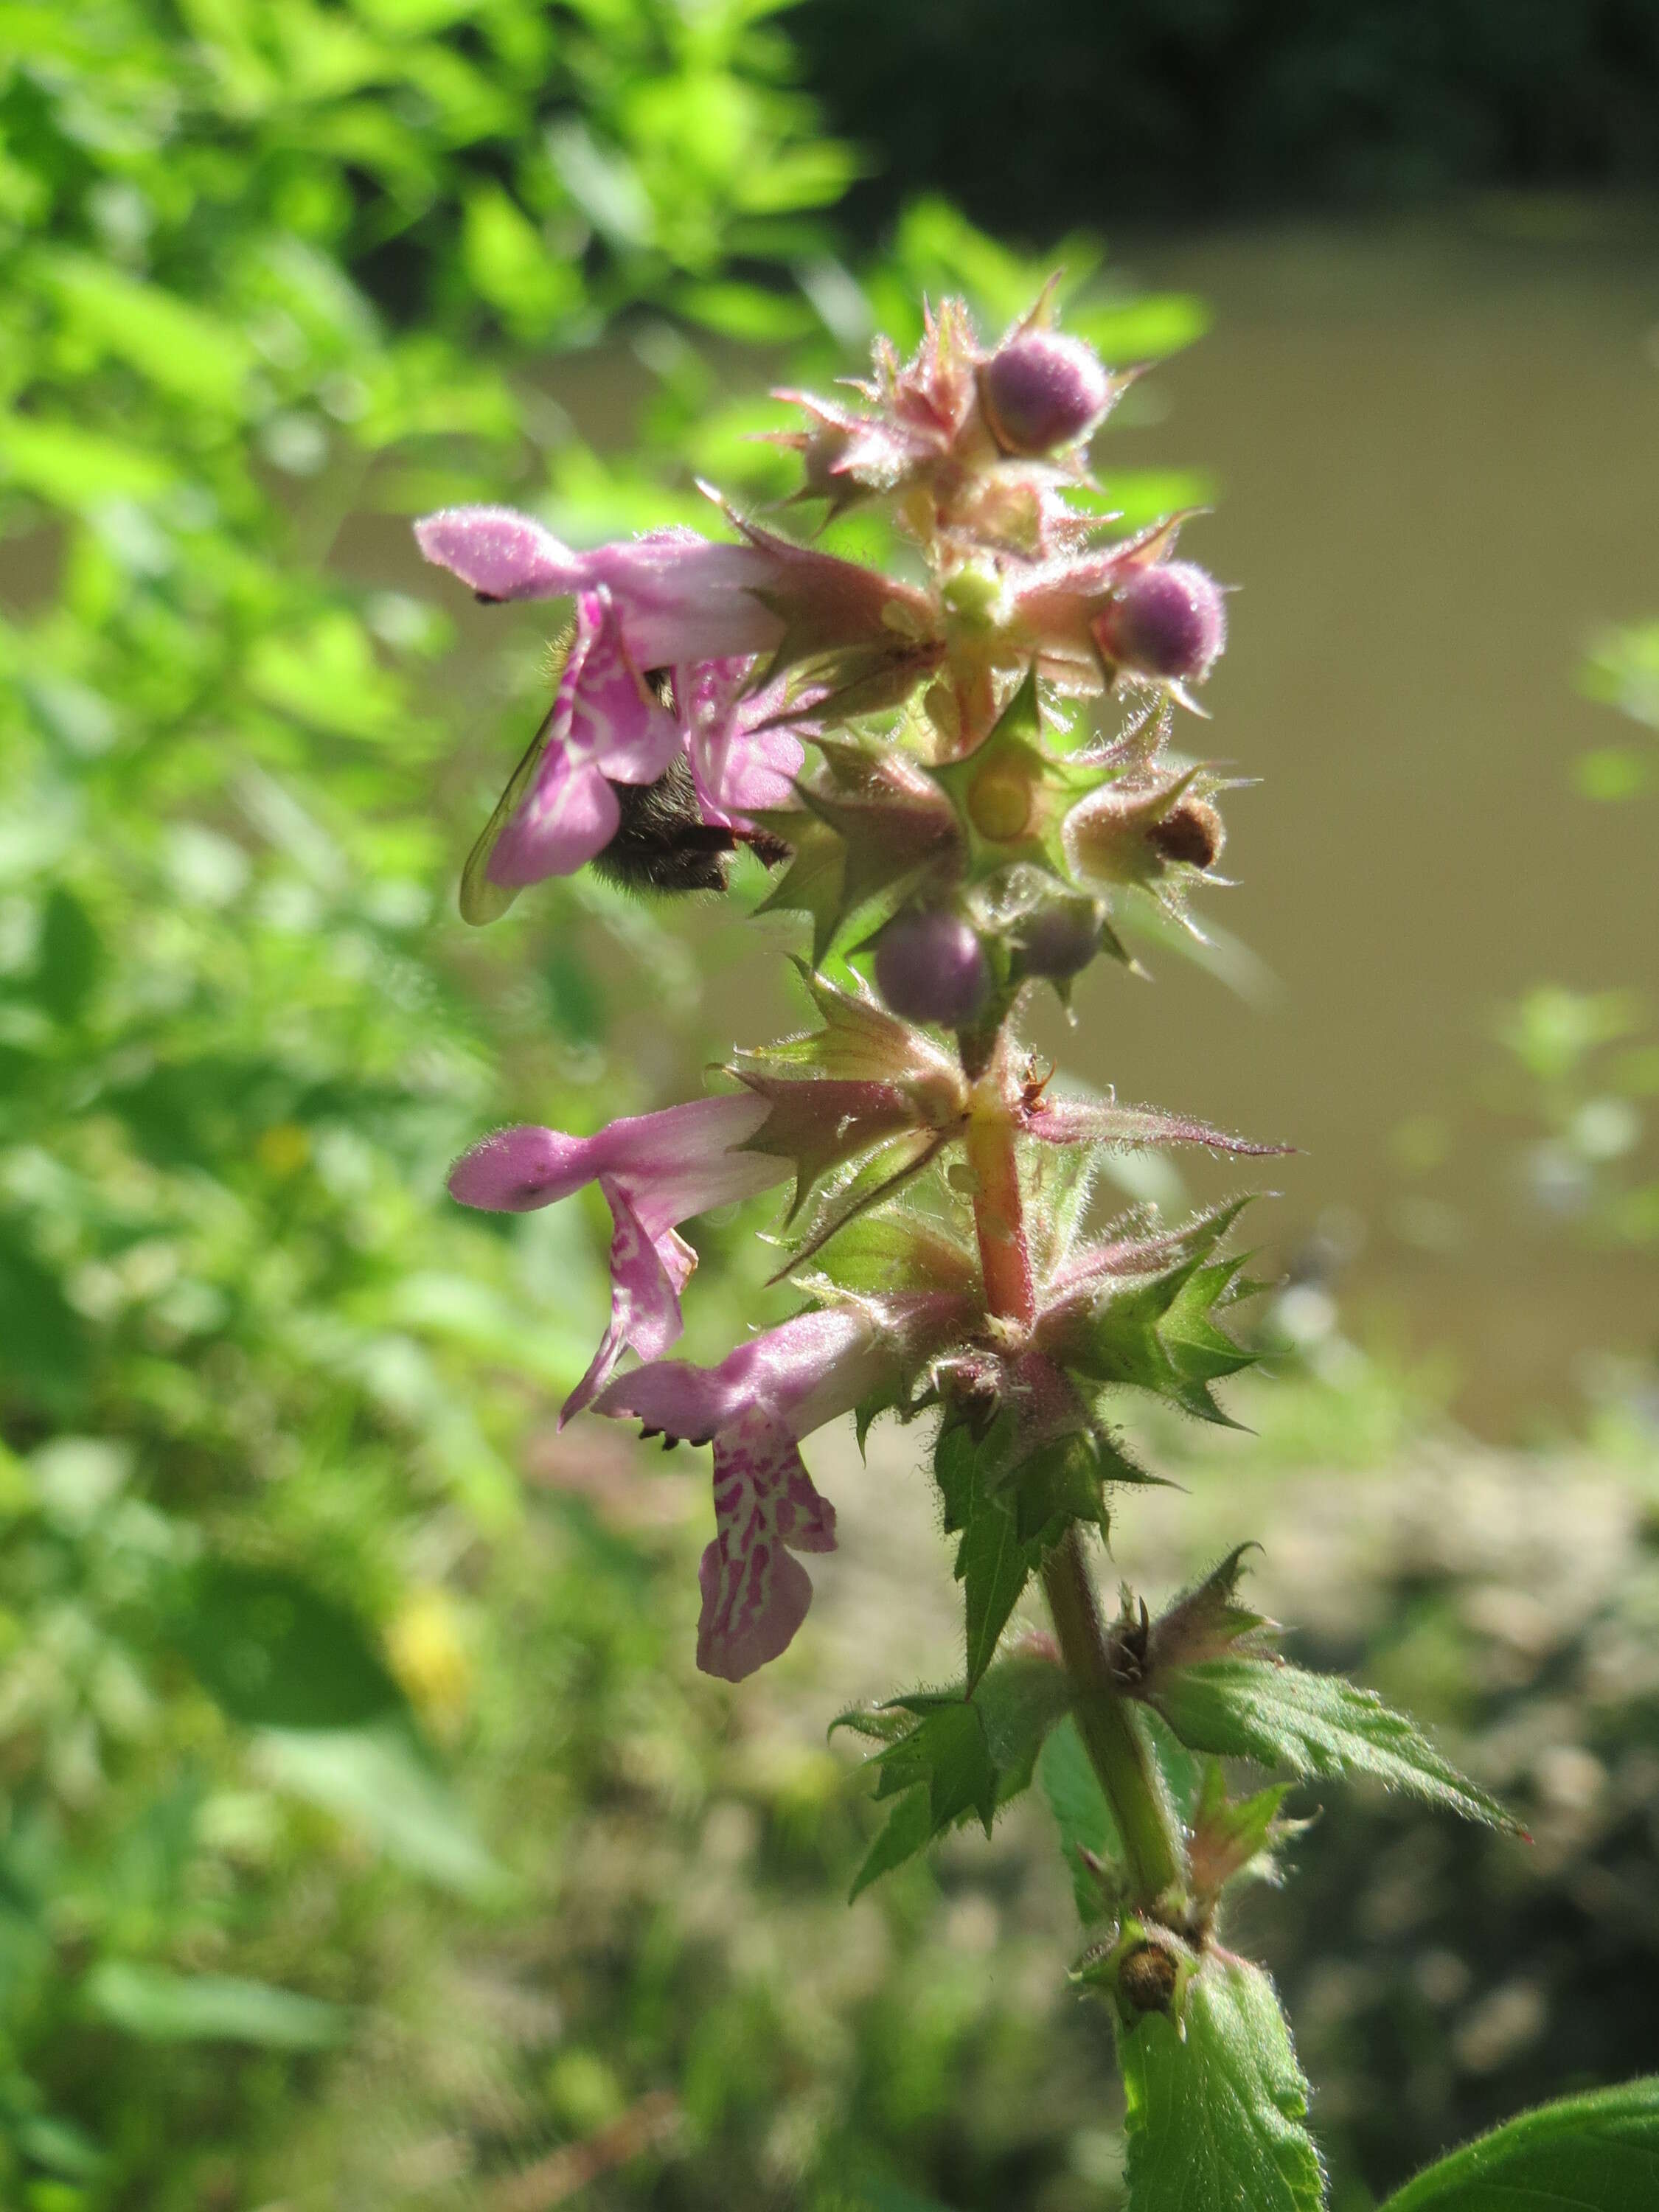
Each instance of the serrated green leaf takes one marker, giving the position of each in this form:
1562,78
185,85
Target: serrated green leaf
947,1751
1216,2109
1020,1700
992,1562
1233,1836
953,1756
1317,1725
909,1829
1598,2153
812,883
1065,1480
1157,1331
1011,760
1081,1811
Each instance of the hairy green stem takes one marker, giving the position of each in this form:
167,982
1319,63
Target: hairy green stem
1106,1720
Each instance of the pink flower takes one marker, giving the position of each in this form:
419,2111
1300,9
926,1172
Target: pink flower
655,1171
745,745
754,1408
680,598
606,727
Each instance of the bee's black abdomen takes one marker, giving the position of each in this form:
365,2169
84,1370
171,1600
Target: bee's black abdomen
663,843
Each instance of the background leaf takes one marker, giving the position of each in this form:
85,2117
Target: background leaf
1598,2153
167,2008
277,1653
379,1783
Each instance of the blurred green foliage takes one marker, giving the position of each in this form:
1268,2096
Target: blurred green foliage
317,1732
1588,1060
1623,672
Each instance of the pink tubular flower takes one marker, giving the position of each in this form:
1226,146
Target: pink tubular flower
754,1408
656,1171
744,754
680,598
606,727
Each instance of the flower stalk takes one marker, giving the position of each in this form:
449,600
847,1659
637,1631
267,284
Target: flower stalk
965,784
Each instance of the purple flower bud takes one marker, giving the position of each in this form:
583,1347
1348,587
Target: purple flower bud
931,967
1060,939
1166,620
1040,390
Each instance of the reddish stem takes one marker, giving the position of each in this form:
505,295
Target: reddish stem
1005,1257
1106,1720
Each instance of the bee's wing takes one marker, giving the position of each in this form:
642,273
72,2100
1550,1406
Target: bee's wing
482,900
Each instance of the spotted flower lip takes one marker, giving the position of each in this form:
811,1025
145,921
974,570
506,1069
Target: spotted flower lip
656,1171
754,1407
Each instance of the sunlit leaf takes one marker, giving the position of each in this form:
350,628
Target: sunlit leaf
1318,1725
1597,2153
948,1756
1218,2106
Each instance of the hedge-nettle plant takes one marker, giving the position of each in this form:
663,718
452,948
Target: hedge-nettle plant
965,780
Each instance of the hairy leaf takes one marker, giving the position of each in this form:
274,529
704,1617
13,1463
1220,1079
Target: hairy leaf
1157,1331
1230,1836
1598,2153
1216,2116
993,1562
1312,1724
1081,1813
947,1755
1205,1621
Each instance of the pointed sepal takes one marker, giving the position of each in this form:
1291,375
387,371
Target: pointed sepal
1142,1313
1012,795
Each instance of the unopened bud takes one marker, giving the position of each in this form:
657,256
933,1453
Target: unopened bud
1040,390
1058,940
824,446
931,967
1167,620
